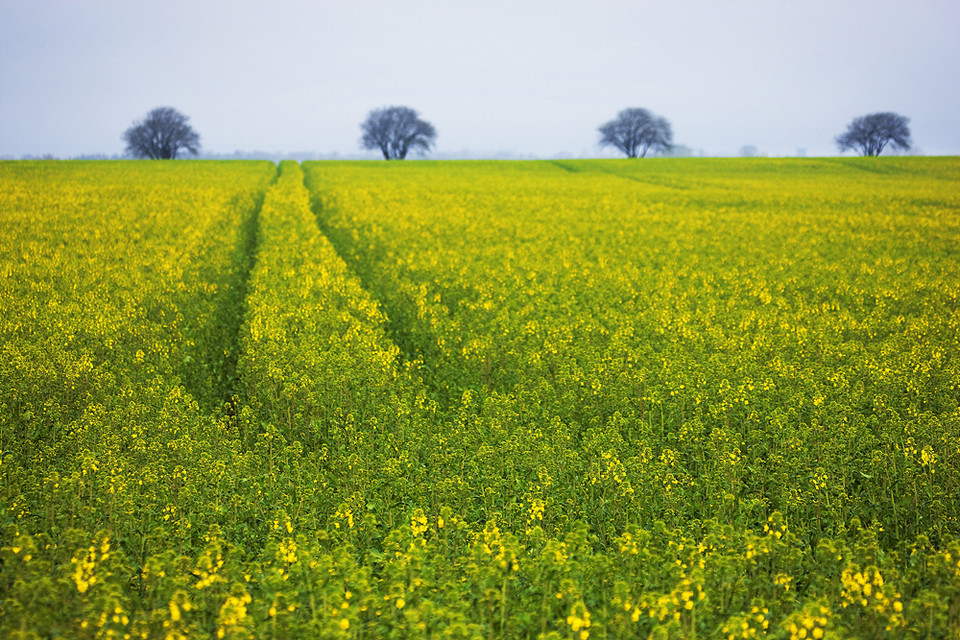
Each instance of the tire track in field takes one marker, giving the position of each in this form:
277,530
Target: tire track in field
233,306
592,168
396,327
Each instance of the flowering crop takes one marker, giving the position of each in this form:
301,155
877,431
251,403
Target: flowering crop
120,282
621,344
581,399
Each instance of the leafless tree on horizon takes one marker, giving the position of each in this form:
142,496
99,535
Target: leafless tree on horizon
635,131
161,135
396,131
869,135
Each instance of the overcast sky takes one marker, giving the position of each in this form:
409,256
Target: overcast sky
492,76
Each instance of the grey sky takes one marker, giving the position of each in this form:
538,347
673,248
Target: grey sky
492,76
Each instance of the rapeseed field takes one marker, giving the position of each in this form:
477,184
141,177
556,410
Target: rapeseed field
574,399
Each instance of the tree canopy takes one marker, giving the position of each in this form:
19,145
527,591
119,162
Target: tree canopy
396,131
161,135
636,131
869,135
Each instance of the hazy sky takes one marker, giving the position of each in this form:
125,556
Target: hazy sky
492,75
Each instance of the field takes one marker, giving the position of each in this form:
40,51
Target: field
679,398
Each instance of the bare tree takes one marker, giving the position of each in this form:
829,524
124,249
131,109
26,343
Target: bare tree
869,135
635,131
396,131
161,135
